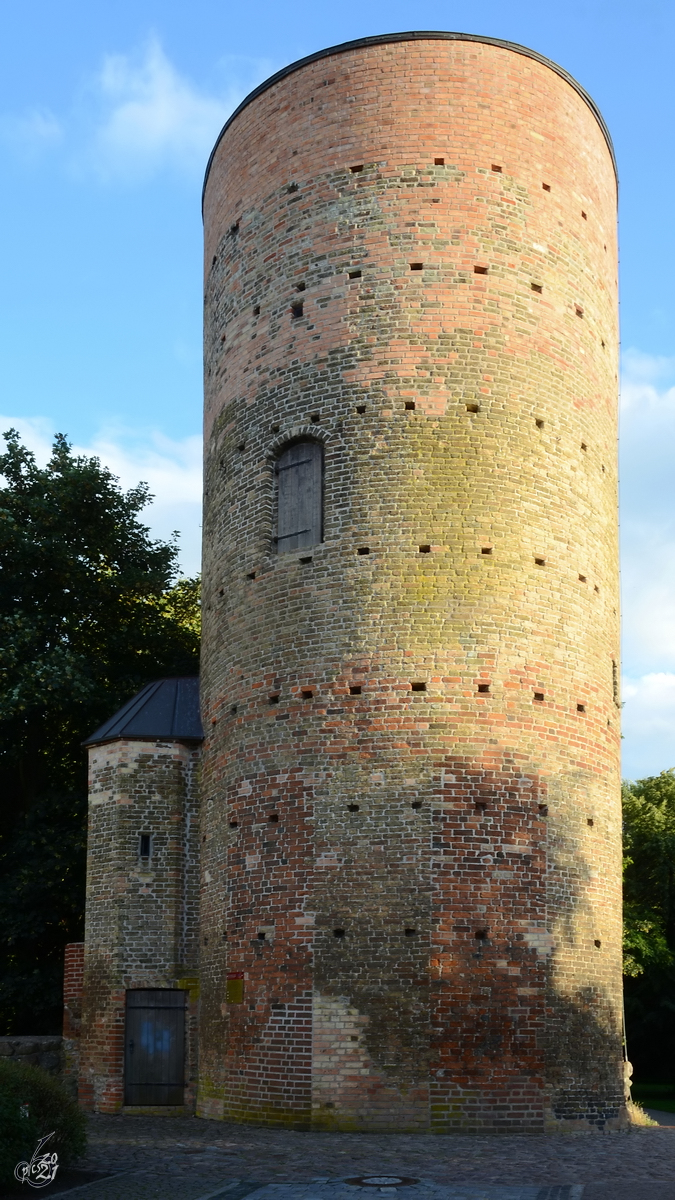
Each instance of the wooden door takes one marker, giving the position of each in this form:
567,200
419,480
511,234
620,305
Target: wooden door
154,1047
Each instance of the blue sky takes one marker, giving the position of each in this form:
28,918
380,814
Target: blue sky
107,116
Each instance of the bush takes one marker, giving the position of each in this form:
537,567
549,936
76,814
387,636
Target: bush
32,1104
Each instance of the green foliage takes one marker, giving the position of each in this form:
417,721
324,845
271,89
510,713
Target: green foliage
649,924
32,1104
90,611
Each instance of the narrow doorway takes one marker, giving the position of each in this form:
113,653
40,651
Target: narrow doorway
154,1047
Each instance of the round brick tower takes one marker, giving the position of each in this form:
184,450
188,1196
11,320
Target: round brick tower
411,822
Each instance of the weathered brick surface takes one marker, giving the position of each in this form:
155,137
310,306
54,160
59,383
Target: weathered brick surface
73,984
141,919
477,984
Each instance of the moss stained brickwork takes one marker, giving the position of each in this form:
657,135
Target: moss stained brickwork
410,894
141,926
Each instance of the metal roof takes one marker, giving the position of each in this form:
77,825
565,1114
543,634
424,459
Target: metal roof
166,710
414,35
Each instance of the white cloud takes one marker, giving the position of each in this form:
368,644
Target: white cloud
171,468
30,133
648,512
151,116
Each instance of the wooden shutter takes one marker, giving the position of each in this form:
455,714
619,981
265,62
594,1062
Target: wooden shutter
300,496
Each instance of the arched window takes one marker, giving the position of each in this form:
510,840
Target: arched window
300,496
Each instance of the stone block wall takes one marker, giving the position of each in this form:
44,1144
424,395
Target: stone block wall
411,770
141,921
42,1051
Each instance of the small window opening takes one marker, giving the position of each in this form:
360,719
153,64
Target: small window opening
223,337
241,447
473,408
481,934
355,689
439,162
541,562
262,936
584,446
484,687
543,809
297,309
539,696
338,933
481,806
234,229
353,807
581,708
596,588
425,549
418,687
539,423
292,187
597,943
273,817
307,693
234,824
363,550
315,418
417,266
486,550
410,932
584,215
276,428
360,408
300,287
355,170
144,845
582,579
307,559
480,270
410,405
496,168
355,274
546,187
578,310
256,311
214,260
233,709
537,287
589,821
416,804
274,698
602,343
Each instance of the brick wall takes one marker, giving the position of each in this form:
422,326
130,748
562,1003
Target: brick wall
141,918
445,213
73,983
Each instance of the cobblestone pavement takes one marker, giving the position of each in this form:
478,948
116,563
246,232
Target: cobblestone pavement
164,1158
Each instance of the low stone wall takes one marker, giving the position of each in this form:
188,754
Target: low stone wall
42,1051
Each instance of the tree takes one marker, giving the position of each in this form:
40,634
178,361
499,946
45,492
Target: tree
649,925
90,610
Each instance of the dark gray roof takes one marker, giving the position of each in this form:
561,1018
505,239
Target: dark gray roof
413,35
166,710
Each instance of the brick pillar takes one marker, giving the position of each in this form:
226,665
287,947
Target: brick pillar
73,979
